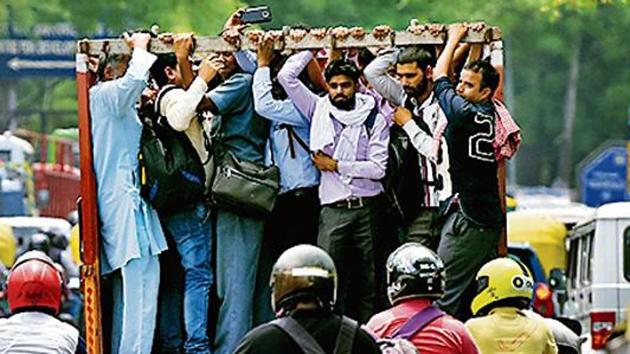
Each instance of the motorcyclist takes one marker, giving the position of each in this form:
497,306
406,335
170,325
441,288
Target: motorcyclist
34,289
504,291
304,291
415,278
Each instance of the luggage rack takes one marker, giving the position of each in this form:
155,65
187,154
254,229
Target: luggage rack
312,39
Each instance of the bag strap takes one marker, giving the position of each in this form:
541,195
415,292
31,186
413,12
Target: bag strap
345,338
304,340
418,321
370,120
160,95
294,136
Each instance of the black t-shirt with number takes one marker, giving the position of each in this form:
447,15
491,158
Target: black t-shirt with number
473,166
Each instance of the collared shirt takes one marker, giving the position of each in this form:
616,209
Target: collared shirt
434,164
294,161
37,332
116,132
510,330
371,162
242,131
444,335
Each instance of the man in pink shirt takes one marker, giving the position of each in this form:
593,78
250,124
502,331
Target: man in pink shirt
415,278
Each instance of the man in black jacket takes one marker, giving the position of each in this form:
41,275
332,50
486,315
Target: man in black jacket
304,290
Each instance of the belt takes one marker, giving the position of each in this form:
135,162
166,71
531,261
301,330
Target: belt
353,203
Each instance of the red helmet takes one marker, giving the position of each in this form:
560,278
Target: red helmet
34,282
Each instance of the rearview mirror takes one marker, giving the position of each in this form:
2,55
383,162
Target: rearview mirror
557,279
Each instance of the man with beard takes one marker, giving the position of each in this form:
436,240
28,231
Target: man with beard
349,140
418,180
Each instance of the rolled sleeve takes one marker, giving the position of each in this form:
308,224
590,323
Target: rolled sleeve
420,140
386,86
302,97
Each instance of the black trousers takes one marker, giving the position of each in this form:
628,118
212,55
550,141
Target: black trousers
348,236
293,221
464,247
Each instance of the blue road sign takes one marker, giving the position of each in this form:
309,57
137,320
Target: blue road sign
603,177
46,50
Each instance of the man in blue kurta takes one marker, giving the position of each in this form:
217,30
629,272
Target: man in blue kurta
131,235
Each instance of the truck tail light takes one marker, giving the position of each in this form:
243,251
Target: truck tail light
602,324
543,300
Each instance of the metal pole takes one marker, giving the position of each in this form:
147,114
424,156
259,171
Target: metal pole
88,211
12,103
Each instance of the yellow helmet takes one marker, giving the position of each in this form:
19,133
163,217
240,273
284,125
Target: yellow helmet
499,280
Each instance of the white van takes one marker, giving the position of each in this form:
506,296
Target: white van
598,273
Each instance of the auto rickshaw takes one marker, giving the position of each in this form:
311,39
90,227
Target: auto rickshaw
75,244
7,245
544,233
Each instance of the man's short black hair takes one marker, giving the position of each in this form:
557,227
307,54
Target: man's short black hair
342,67
418,55
163,61
489,75
365,57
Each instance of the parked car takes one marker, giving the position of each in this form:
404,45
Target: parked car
598,273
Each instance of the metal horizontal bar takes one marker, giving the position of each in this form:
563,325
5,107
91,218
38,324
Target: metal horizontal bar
218,44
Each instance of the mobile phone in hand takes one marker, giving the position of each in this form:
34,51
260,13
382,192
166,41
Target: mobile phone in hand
258,14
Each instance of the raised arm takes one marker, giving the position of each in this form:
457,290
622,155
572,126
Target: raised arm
385,85
246,60
281,111
456,32
125,91
302,97
180,106
453,105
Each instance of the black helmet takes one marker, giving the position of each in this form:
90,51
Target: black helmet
414,271
39,242
303,272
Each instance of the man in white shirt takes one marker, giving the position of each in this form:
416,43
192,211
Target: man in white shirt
416,118
189,227
34,296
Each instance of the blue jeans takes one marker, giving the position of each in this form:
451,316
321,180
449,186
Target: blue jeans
190,231
238,247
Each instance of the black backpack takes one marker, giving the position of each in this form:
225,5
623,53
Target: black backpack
172,174
403,182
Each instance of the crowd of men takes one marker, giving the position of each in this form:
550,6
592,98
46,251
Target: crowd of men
378,150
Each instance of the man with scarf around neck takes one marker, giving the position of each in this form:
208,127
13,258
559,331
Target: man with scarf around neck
349,139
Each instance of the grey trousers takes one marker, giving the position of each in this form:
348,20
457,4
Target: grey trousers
348,236
424,229
465,247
